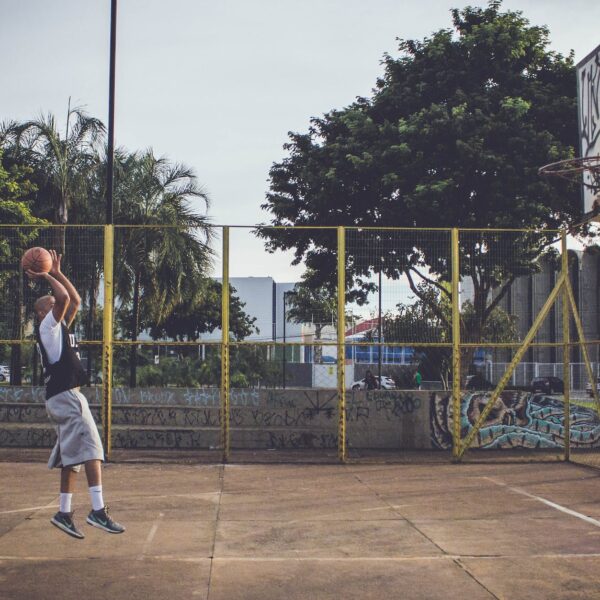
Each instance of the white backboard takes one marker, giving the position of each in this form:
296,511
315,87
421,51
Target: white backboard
588,94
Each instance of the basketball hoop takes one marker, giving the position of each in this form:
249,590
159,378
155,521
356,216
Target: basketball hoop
584,171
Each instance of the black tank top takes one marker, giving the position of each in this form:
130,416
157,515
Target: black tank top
67,372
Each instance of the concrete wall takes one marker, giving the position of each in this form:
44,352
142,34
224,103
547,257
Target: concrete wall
190,418
302,419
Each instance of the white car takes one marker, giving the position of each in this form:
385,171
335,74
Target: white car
387,383
4,373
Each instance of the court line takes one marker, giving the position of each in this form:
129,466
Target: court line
54,503
547,502
30,508
151,535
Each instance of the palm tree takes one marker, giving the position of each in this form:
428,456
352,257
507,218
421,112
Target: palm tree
157,265
63,163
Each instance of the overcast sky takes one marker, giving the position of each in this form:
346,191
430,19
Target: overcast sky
218,84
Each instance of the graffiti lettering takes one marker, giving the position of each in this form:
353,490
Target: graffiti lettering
301,440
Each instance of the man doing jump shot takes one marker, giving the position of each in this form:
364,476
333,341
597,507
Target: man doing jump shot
78,440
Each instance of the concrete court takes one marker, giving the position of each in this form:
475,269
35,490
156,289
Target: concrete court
255,531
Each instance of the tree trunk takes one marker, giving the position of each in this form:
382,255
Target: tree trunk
135,323
473,332
62,218
16,351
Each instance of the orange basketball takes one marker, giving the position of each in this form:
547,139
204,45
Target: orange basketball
37,260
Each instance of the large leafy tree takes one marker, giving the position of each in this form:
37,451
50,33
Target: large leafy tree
200,312
157,266
452,136
65,168
63,163
418,322
16,193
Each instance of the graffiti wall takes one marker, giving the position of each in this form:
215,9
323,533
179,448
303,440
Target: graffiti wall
517,420
268,419
293,419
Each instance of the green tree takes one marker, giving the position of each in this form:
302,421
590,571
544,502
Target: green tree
63,163
315,305
452,136
419,322
67,169
16,191
200,312
158,266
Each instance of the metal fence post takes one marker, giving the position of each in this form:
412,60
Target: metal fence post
456,403
107,339
225,441
341,345
566,346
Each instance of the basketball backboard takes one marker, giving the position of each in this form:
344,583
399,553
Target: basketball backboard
588,95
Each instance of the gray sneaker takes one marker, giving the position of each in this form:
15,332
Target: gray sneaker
101,520
64,521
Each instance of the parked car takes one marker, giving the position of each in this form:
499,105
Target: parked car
478,382
4,373
547,385
387,383
588,388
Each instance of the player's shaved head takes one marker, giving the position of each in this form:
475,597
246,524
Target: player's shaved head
43,306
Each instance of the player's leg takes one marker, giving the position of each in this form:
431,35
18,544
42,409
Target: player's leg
63,519
99,516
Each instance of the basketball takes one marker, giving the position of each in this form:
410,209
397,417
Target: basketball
37,260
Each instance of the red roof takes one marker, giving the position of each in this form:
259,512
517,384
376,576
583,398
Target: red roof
363,326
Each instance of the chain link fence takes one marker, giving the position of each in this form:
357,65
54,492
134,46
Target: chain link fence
386,341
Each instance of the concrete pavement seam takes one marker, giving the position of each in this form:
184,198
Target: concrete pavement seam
214,541
31,512
394,509
458,562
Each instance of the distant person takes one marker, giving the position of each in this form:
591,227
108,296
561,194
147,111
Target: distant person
78,442
418,379
370,382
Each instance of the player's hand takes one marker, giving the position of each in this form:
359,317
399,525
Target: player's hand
33,275
55,269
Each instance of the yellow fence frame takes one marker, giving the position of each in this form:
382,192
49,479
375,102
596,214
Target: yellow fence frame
569,308
562,289
341,345
225,433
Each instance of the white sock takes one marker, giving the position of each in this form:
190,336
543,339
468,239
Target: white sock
65,503
96,497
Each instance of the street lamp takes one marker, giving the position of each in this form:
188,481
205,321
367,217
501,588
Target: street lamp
111,113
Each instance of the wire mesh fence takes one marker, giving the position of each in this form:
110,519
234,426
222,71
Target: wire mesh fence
287,362
585,411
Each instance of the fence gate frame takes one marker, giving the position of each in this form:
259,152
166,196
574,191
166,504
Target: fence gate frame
569,308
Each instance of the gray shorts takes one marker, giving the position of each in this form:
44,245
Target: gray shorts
77,435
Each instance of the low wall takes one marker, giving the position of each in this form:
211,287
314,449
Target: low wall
307,418
266,418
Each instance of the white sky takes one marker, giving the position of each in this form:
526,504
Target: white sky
218,84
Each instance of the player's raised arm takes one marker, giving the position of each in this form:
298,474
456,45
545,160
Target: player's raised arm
59,293
74,297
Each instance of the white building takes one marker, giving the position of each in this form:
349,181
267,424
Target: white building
263,299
